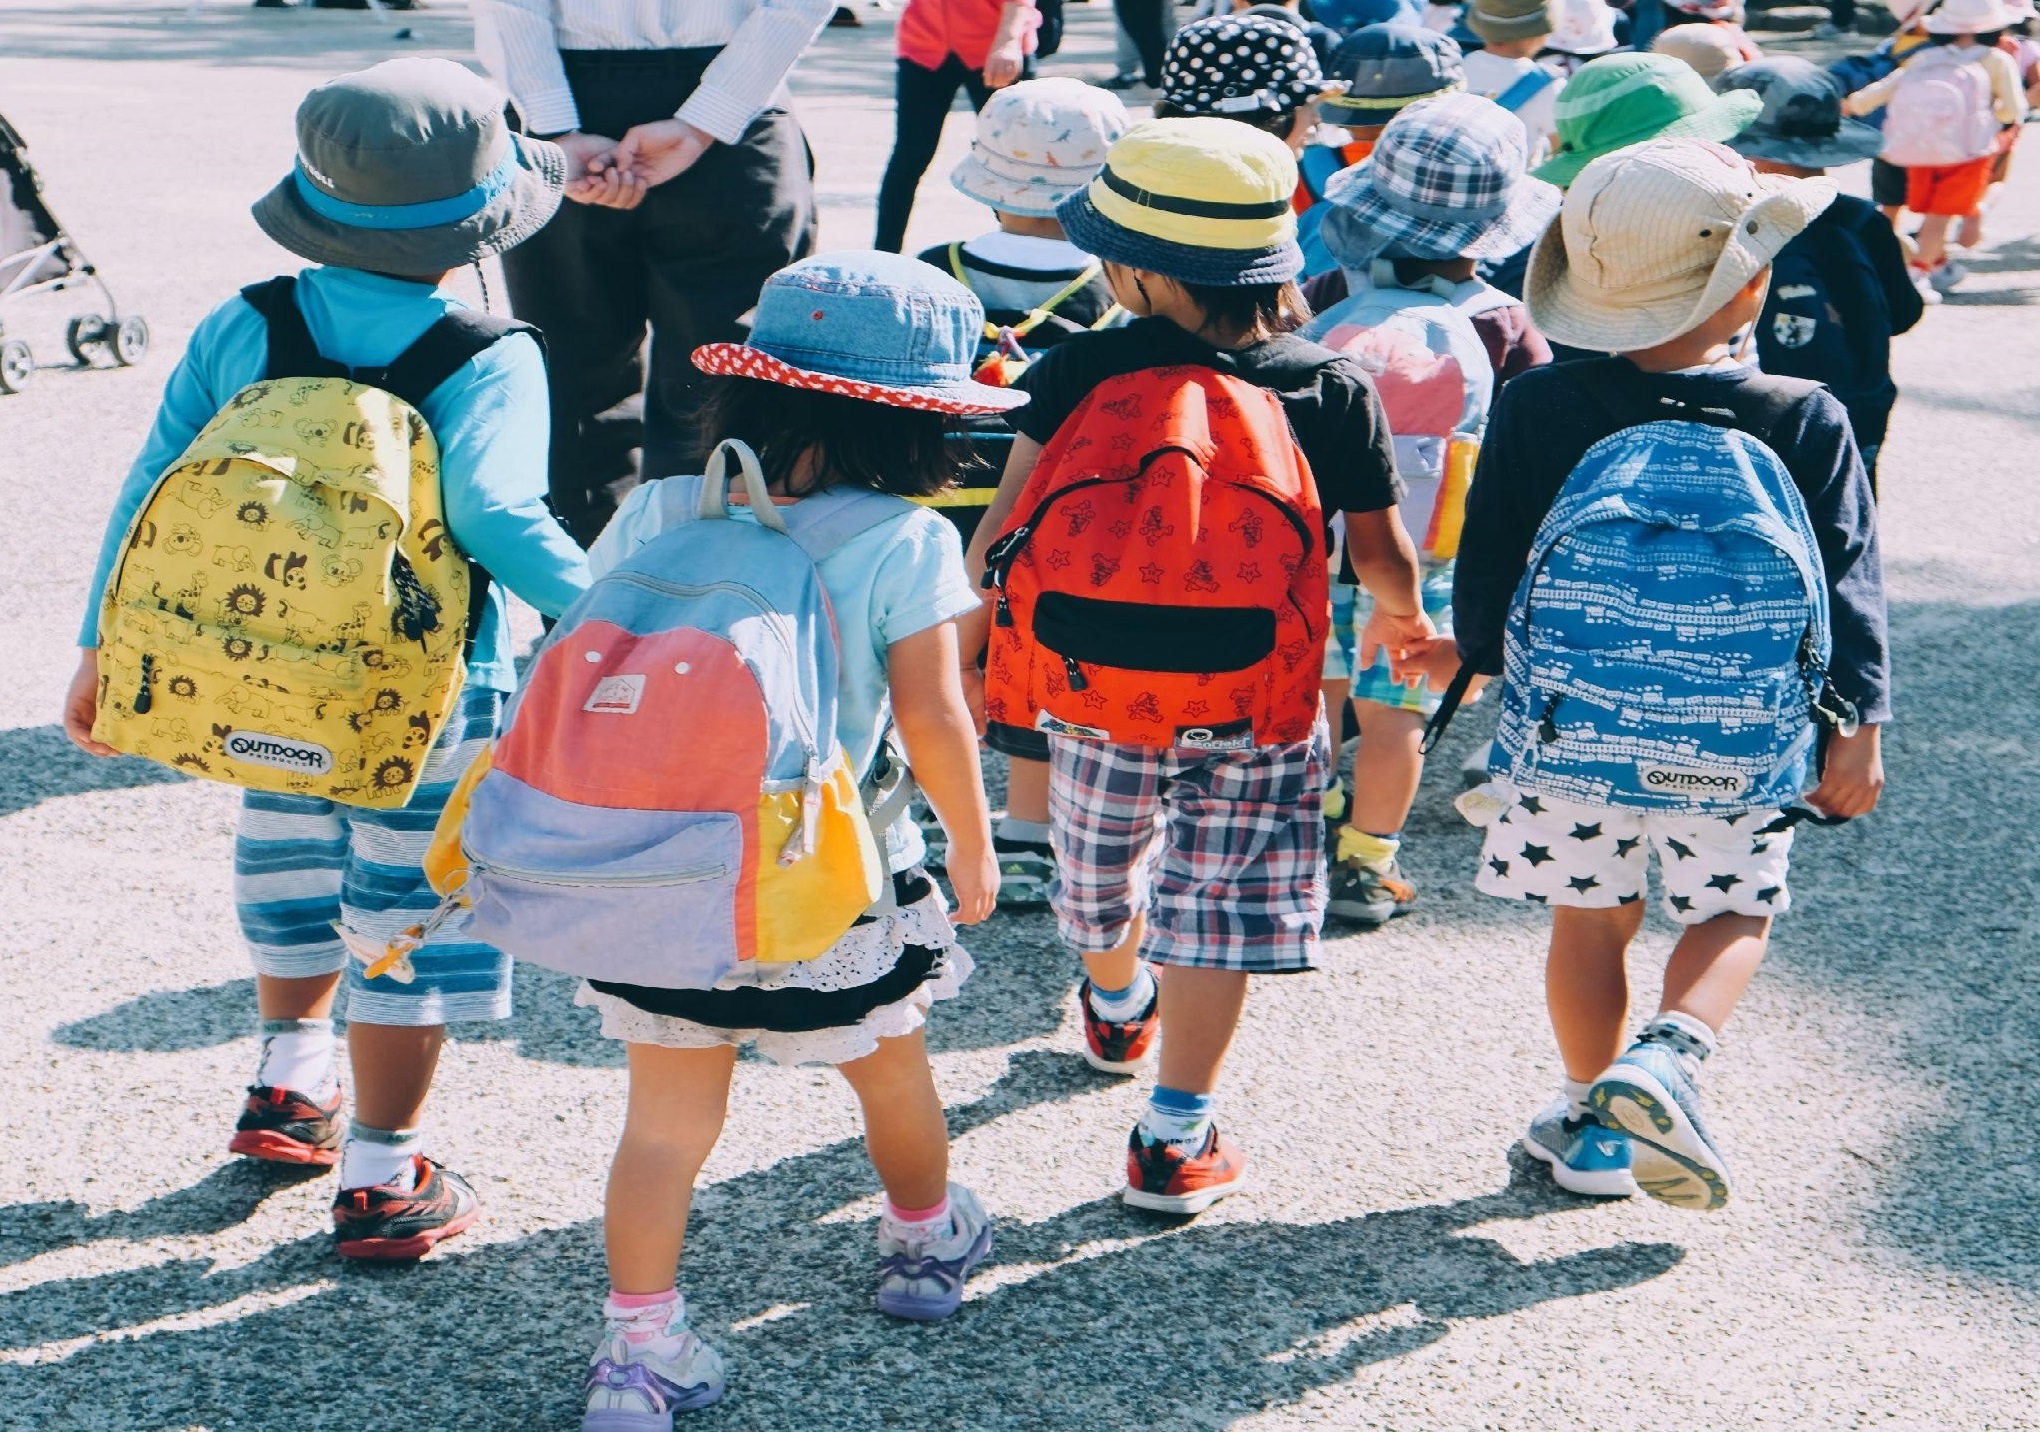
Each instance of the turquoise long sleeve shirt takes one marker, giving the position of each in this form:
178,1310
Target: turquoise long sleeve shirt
491,419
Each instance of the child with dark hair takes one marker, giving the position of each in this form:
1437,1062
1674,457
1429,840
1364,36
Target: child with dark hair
854,365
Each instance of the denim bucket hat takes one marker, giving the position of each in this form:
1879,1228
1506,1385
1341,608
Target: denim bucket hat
1199,200
1378,70
875,326
1801,122
1446,180
407,167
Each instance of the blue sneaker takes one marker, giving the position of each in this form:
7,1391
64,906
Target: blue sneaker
1583,1156
637,1387
924,1281
1649,1093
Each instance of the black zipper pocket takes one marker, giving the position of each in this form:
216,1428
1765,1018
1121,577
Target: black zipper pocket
1134,636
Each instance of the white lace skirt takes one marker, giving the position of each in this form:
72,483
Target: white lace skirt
864,955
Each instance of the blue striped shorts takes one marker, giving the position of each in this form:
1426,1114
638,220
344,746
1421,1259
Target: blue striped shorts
300,864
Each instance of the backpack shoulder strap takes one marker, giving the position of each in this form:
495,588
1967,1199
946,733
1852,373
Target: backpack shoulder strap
828,520
292,353
1526,87
442,350
1319,163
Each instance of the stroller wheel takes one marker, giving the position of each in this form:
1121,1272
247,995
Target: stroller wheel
130,341
17,366
86,335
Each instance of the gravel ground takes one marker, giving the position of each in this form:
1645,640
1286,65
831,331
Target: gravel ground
1394,1266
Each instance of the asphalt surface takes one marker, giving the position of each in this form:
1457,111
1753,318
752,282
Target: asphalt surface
1393,1265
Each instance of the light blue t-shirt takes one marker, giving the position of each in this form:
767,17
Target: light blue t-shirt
886,584
491,419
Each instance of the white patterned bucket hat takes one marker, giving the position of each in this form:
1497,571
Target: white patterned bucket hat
1038,142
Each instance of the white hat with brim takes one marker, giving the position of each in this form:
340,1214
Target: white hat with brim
1655,239
1969,17
1038,142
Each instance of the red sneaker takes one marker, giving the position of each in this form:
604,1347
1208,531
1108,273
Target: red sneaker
392,1224
286,1127
1118,1048
1162,1177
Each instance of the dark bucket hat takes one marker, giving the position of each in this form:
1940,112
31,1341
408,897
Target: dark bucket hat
408,167
1378,70
1801,122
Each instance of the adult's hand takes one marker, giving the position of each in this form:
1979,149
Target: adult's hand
593,176
662,150
1003,65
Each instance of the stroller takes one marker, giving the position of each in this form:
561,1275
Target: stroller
38,257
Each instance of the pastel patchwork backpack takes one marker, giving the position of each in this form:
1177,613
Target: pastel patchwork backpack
669,796
1161,581
1667,647
1941,111
1436,385
289,612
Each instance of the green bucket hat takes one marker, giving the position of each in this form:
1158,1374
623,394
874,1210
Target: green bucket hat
1620,100
408,167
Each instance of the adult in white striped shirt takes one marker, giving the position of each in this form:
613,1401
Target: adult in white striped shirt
694,186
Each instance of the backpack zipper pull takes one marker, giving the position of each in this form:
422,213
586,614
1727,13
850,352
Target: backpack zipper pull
1547,729
1076,674
1002,615
801,841
143,700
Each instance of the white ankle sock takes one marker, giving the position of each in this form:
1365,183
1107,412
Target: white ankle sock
297,1054
371,1158
1576,1095
648,1319
926,1226
1125,1004
1025,832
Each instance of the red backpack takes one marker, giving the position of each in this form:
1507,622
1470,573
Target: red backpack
1162,581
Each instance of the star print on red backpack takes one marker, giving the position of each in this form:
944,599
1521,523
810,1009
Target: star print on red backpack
1162,579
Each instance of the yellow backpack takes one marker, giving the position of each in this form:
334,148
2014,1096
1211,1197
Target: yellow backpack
290,613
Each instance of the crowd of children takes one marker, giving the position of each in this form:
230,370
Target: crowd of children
1582,399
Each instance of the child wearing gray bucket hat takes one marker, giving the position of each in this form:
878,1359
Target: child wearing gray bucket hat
405,171
1841,290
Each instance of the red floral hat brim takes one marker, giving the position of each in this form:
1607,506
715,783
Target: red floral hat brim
741,360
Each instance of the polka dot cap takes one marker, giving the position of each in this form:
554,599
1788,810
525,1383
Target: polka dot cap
1239,65
741,360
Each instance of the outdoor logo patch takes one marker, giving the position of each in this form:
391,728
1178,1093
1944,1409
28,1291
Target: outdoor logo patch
1693,780
616,696
283,752
1232,736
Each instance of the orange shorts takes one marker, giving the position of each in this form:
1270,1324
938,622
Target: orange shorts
1952,189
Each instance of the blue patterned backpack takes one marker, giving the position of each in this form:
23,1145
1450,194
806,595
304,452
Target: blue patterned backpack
1667,647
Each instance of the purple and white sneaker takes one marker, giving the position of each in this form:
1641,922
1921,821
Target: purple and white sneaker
637,1387
924,1280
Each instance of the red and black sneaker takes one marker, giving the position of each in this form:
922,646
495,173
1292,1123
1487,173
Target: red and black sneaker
286,1127
1118,1048
392,1224
1164,1178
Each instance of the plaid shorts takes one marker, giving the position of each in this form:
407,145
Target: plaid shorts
300,864
1223,851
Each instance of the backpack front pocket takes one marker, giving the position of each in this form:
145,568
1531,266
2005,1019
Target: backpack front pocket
1134,636
644,897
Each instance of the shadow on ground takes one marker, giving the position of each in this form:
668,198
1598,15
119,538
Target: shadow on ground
1101,1314
39,763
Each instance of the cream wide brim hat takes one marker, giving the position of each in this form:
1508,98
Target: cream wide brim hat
1653,240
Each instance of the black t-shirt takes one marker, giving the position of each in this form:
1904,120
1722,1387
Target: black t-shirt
1543,424
1332,407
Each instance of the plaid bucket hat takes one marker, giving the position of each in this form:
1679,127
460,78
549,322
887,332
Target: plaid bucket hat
1446,180
1199,200
1037,142
867,325
1802,122
1620,100
408,167
1379,70
1236,65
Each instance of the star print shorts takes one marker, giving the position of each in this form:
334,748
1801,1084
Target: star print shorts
1558,852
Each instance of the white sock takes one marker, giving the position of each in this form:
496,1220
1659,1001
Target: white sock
297,1054
925,1226
1576,1095
648,1319
1122,1005
1690,1034
371,1158
1024,832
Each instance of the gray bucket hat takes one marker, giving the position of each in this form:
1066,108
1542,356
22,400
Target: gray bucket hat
408,167
1801,122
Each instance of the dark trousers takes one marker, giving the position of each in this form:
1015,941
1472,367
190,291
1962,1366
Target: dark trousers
921,101
1150,24
686,264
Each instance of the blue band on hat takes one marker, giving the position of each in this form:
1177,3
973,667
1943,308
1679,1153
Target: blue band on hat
430,214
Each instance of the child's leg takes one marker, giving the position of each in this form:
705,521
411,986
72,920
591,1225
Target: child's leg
1020,837
1200,1011
1027,790
1712,965
1932,240
678,1098
1586,985
904,1130
1386,768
